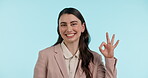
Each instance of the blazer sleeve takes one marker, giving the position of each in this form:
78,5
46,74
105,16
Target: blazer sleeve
109,70
40,70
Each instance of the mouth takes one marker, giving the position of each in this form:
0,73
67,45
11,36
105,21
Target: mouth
70,35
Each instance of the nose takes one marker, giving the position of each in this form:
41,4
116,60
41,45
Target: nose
69,28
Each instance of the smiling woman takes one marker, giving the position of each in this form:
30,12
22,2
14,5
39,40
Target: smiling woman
70,56
70,28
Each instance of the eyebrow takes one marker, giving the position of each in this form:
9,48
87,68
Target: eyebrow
63,23
73,21
70,22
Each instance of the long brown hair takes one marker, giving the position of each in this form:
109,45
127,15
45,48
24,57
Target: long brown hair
85,53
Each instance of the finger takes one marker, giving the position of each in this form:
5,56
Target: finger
102,44
116,44
113,37
107,37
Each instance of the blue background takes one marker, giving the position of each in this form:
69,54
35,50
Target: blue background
28,26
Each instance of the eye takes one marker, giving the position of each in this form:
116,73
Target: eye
73,24
63,25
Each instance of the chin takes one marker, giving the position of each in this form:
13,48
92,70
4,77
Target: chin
70,40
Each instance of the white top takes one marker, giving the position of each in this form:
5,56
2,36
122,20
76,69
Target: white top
71,60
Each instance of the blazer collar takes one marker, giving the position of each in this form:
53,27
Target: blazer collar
60,60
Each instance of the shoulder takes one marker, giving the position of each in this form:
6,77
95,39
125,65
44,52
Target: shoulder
97,57
49,50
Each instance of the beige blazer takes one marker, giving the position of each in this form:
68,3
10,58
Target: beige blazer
51,64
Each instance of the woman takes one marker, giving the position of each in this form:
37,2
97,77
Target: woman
70,56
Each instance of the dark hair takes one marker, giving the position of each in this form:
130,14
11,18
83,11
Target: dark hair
85,53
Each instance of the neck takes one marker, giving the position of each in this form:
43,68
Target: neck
72,47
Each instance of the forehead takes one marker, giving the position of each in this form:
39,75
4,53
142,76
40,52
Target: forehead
68,18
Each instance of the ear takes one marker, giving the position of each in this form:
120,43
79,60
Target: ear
83,27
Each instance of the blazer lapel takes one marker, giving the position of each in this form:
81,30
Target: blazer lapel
79,72
60,60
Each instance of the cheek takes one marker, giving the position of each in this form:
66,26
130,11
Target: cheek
79,30
61,30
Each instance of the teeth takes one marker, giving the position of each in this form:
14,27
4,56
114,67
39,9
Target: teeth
70,34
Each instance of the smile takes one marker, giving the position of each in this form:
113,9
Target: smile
70,35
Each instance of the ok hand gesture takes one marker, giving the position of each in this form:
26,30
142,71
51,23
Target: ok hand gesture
109,47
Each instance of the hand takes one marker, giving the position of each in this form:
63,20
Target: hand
108,50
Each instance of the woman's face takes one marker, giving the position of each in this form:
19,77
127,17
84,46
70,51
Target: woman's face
70,28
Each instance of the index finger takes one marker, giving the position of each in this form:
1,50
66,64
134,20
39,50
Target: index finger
107,37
